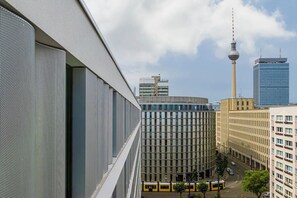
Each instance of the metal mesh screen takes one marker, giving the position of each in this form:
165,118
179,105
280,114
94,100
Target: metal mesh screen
50,125
17,106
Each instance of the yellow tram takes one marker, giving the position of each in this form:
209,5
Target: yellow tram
169,186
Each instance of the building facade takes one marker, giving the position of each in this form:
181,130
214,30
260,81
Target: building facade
243,131
69,124
154,86
271,82
178,138
283,152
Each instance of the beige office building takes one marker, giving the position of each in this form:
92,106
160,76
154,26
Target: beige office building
178,138
243,131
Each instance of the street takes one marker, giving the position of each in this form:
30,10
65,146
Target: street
233,185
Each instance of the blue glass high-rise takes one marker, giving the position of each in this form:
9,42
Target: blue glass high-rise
271,82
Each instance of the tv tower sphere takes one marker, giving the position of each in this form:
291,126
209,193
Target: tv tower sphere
233,55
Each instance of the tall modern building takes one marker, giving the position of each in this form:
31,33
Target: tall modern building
69,124
154,86
271,82
283,152
178,138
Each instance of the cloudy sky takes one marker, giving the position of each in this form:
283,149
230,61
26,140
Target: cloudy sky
187,41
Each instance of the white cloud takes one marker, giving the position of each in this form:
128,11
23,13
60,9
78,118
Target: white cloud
139,32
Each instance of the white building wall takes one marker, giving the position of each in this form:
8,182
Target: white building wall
283,152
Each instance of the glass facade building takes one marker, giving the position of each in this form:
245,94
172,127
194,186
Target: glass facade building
178,138
271,82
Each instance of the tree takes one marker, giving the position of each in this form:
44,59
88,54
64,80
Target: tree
190,178
221,165
202,187
256,181
179,187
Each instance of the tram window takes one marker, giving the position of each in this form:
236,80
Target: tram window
164,187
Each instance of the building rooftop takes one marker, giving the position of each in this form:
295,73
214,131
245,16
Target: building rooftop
270,60
171,99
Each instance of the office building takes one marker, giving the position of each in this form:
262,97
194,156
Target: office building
69,124
178,138
243,131
271,82
283,151
154,86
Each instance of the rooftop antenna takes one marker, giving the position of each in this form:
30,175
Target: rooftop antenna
260,52
280,52
232,24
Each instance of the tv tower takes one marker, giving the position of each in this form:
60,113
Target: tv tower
233,55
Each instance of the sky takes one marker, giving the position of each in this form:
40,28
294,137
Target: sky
187,42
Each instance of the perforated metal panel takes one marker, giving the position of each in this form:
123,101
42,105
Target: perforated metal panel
50,125
17,106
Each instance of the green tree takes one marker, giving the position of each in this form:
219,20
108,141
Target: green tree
221,165
190,178
202,187
179,187
256,181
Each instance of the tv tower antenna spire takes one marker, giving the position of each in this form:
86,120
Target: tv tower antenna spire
233,25
233,56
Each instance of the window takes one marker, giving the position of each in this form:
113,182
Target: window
272,118
279,176
272,151
279,188
288,168
289,119
272,140
279,164
272,128
279,141
288,143
288,193
279,129
279,118
288,131
279,153
289,181
289,156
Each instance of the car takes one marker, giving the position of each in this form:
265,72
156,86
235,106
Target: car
231,172
233,163
228,169
266,194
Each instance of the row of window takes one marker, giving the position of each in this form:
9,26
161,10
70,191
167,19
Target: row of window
287,167
279,118
171,107
279,141
281,154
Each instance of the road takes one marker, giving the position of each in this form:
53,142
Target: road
233,185
234,182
